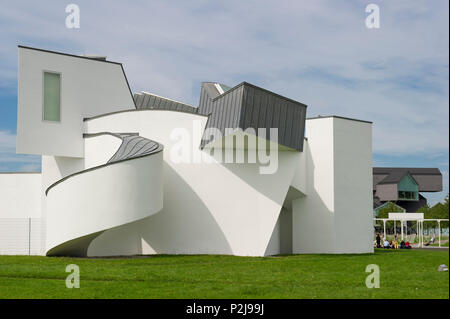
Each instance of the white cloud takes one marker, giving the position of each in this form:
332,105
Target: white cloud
317,52
10,161
7,141
31,167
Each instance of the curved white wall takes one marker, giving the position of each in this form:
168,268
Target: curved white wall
98,150
208,208
86,204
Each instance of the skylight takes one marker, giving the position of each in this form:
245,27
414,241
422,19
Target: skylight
221,88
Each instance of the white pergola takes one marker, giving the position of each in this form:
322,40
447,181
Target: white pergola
405,217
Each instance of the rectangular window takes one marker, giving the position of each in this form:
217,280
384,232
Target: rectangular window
407,195
52,97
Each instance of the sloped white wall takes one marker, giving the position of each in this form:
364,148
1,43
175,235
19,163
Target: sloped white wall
88,88
313,220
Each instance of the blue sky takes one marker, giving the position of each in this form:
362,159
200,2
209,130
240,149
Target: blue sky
316,52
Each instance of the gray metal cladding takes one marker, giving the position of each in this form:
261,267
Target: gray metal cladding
243,106
428,179
207,94
248,106
224,111
133,146
150,101
411,170
138,99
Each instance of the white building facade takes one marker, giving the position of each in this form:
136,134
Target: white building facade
143,174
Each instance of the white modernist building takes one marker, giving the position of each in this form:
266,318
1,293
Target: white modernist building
126,174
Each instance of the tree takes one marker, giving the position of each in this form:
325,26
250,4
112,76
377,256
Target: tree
438,211
389,208
384,212
424,209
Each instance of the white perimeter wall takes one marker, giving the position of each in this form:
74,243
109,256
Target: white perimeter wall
88,88
20,195
21,236
20,214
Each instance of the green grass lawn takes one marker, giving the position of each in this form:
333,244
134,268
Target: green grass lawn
403,274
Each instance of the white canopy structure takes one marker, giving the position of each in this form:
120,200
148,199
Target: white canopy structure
405,217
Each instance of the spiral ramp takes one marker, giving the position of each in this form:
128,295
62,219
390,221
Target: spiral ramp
127,188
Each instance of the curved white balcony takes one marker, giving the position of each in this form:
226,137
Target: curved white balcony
127,188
